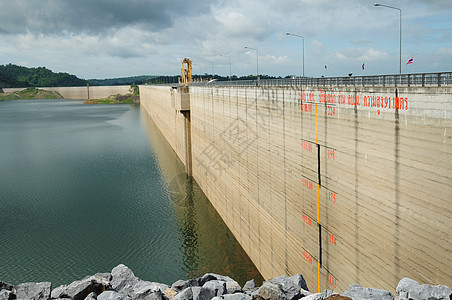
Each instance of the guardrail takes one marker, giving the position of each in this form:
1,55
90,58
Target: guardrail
407,80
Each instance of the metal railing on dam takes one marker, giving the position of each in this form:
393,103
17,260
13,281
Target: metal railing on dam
393,80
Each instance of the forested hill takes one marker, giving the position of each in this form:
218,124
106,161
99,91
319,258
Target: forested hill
18,76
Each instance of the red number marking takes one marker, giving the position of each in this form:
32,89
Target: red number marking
306,146
331,154
332,239
307,220
306,107
307,183
333,281
308,257
332,197
331,111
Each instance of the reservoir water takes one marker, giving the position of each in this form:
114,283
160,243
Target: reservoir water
84,188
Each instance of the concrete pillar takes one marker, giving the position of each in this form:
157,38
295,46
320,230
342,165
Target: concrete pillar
187,137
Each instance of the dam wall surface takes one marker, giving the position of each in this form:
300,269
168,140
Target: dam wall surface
81,92
160,105
343,185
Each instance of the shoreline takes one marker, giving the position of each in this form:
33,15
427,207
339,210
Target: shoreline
29,94
122,283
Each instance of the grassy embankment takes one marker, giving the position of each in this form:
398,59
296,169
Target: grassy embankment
30,93
132,97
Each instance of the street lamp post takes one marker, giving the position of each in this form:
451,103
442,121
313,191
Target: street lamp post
230,73
257,61
300,36
400,33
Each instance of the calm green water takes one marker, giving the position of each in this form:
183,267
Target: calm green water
84,188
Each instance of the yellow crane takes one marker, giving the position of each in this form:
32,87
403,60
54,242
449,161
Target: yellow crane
186,72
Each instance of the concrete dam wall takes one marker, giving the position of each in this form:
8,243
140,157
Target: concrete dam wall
342,185
81,92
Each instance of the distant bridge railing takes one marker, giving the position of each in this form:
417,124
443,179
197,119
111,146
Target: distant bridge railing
407,80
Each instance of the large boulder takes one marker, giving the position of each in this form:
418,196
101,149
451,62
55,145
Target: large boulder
233,287
249,285
271,291
142,289
212,276
202,293
123,279
155,295
355,291
184,295
218,287
253,293
207,277
288,287
181,285
33,290
411,289
300,282
221,277
80,289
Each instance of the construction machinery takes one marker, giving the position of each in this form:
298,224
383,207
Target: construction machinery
186,72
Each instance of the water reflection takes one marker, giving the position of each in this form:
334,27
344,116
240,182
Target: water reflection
206,244
185,215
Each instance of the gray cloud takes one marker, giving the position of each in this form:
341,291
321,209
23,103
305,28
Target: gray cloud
92,17
108,38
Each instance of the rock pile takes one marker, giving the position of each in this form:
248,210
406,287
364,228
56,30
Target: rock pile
121,283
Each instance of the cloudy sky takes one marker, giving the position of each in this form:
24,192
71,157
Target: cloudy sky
116,38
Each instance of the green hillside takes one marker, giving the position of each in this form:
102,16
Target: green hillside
18,76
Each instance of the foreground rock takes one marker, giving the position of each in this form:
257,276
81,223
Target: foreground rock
356,291
32,290
411,289
122,283
79,290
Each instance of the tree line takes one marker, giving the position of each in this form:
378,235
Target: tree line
17,76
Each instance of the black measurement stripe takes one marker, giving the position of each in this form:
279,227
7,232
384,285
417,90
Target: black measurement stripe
320,244
318,164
